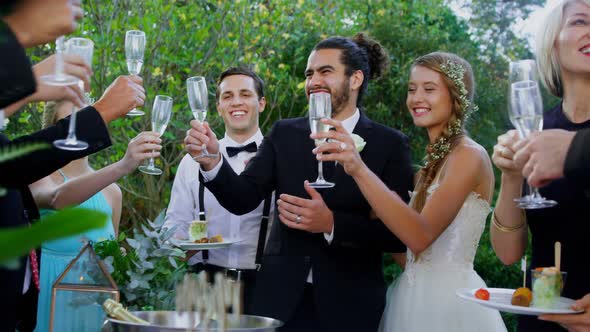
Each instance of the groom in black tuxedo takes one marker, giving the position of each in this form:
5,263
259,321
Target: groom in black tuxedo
322,269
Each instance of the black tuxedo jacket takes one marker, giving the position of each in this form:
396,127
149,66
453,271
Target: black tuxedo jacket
16,77
17,207
347,274
577,162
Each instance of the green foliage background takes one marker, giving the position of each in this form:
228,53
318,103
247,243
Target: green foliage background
187,38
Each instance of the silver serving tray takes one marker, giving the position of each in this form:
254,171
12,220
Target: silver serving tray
172,321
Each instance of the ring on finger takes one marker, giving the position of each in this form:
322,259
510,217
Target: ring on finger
342,146
298,219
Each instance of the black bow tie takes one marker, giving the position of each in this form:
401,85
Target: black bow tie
234,150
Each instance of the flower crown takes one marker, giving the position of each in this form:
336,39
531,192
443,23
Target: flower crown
455,71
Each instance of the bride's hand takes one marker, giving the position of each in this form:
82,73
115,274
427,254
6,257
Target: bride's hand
341,148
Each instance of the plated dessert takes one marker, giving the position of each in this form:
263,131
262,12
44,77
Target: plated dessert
197,230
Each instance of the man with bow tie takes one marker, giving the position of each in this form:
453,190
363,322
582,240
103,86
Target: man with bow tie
239,100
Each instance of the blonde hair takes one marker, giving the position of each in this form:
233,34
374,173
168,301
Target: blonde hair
435,61
547,61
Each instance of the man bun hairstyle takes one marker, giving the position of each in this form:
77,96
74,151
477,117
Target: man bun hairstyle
378,56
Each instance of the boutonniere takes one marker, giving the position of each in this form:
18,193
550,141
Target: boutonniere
359,142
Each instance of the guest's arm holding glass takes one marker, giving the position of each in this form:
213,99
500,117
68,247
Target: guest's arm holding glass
123,94
73,65
553,154
52,192
508,230
143,146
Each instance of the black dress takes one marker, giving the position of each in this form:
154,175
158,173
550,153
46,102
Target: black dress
577,162
567,222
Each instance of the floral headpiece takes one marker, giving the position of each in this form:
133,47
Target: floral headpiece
455,71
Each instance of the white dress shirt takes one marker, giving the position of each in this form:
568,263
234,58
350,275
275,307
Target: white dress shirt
2,120
184,208
348,124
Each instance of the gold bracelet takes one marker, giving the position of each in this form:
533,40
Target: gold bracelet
505,229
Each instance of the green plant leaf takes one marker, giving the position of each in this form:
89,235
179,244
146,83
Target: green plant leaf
18,241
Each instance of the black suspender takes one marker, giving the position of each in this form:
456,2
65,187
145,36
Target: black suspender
261,233
263,230
205,253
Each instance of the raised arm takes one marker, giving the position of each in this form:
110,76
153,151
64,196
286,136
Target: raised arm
416,230
79,189
73,65
122,95
508,230
34,166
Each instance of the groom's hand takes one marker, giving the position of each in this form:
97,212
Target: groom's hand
314,215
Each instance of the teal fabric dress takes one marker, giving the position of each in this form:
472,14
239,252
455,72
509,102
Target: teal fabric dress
55,257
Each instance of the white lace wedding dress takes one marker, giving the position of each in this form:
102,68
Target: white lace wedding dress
423,298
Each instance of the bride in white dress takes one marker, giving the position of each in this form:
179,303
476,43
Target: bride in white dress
445,218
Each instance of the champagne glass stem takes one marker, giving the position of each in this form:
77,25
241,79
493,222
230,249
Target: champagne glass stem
59,61
320,172
72,127
151,164
535,193
527,190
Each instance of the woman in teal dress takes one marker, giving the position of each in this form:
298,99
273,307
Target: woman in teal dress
78,184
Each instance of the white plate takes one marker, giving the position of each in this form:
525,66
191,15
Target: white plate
500,299
188,245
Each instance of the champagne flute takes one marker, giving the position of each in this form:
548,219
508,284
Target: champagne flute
161,112
134,49
320,107
526,114
84,48
198,100
59,78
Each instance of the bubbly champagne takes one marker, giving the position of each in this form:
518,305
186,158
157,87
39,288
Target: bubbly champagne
134,66
527,124
159,127
317,126
200,115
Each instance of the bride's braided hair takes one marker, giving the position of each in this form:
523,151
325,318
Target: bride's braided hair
458,78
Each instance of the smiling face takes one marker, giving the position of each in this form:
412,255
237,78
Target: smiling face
239,105
325,72
573,41
429,100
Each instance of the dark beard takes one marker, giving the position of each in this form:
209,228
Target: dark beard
340,100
